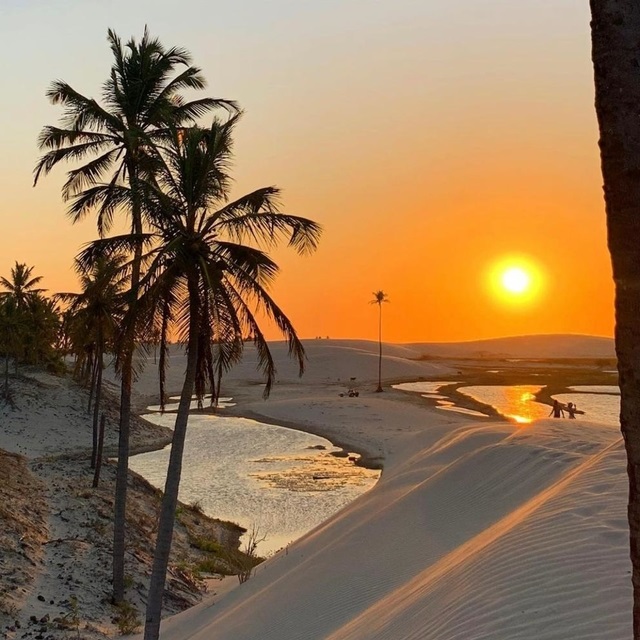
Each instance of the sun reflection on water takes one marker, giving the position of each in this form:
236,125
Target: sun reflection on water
515,402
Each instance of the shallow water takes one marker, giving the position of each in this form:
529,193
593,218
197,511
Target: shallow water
600,407
600,403
258,474
515,402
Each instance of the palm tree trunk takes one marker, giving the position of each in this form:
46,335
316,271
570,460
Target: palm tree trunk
122,471
96,406
96,474
92,385
379,389
615,30
172,484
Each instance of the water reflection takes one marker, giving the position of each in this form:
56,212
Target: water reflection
284,481
516,402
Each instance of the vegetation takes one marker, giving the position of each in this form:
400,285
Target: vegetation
127,618
92,320
29,324
204,283
115,138
193,265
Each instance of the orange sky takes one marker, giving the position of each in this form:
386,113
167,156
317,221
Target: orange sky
430,141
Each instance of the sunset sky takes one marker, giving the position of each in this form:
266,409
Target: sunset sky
434,140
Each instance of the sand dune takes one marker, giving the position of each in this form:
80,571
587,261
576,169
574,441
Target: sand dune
328,362
475,531
487,534
536,346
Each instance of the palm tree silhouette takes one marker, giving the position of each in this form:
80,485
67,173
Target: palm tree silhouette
21,286
204,282
378,298
140,99
94,316
22,306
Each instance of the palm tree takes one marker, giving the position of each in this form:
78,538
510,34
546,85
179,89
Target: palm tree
206,284
21,286
94,317
43,323
615,30
378,298
11,330
113,138
18,297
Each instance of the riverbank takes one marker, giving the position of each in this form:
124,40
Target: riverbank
56,530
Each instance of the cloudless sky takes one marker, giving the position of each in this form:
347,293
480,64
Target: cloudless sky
431,138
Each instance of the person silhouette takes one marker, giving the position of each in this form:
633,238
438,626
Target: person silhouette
571,410
556,410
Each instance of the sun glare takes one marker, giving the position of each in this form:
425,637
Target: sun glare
515,280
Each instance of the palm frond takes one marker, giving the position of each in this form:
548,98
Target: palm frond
75,152
269,228
88,174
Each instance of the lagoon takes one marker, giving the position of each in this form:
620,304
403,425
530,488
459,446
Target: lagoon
282,481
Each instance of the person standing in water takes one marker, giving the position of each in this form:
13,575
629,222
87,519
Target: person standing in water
571,410
556,410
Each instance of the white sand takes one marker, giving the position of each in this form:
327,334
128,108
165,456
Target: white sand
477,529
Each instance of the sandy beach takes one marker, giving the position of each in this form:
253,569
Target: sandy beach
56,530
477,529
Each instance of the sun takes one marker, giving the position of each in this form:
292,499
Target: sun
515,280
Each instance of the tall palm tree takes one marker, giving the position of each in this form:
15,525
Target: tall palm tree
615,31
113,138
206,284
378,298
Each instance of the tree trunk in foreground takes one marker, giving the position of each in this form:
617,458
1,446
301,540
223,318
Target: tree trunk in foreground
172,484
615,31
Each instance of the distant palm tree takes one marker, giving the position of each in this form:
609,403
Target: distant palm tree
206,284
615,32
378,298
21,300
21,286
94,317
140,99
12,328
43,322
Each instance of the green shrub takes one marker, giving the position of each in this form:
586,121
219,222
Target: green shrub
126,618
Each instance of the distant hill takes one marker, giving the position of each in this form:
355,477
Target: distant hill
537,346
